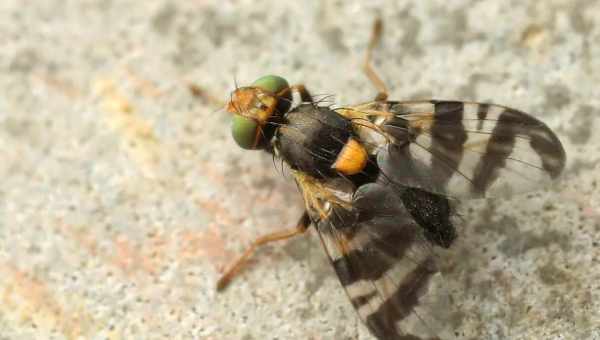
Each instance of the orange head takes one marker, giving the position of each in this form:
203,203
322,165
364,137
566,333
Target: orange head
257,109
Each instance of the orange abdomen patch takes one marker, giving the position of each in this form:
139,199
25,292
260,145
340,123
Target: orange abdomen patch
352,159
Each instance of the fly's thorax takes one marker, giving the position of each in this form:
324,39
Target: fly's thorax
320,142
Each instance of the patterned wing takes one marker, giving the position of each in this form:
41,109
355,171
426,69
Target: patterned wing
387,265
390,240
462,149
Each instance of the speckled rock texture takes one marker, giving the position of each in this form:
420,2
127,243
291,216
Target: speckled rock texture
123,196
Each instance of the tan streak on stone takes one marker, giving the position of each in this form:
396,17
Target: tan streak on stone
146,87
209,245
31,301
139,140
61,86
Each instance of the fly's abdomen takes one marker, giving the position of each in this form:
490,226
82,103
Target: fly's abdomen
320,142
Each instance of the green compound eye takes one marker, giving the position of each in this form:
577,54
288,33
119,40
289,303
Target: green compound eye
271,83
244,131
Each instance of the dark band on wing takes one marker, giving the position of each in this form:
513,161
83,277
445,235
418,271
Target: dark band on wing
362,300
401,303
511,124
448,146
380,253
547,145
499,147
482,111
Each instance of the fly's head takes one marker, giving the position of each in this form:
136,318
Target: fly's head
257,111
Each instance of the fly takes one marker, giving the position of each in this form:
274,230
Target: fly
380,180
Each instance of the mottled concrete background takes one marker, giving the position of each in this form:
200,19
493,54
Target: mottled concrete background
123,197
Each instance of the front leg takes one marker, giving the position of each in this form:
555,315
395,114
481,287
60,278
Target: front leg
300,89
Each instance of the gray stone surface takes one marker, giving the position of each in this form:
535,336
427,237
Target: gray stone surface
123,196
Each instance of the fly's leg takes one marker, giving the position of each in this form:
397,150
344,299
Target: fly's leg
304,94
300,89
238,265
367,65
